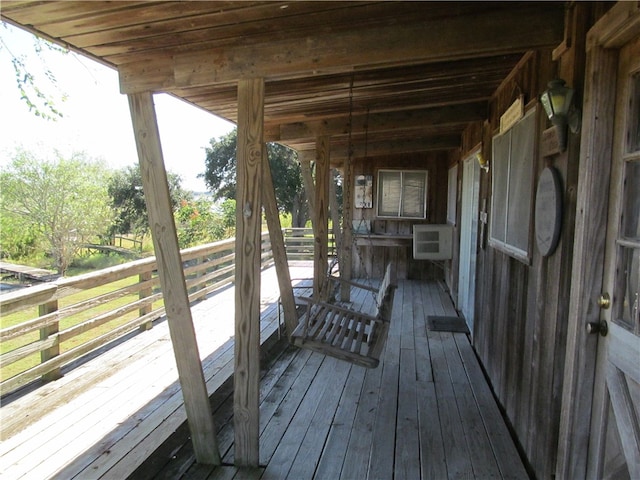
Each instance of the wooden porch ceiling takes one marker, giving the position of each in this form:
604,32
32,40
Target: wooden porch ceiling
410,76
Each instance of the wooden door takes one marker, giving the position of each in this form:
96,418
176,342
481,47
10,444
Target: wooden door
614,446
468,239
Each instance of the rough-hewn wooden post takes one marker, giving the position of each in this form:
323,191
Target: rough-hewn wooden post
247,291
321,246
278,249
309,186
176,300
45,332
310,190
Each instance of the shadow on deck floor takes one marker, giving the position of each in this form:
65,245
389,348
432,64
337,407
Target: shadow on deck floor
425,412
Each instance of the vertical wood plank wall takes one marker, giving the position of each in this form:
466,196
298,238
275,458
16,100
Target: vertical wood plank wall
520,329
370,262
518,333
247,292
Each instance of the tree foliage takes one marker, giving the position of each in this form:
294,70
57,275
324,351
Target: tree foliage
18,237
199,221
64,200
128,202
37,100
220,175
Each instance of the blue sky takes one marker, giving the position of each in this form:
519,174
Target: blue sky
95,115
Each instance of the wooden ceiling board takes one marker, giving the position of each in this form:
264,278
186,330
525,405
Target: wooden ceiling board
409,75
382,84
262,23
206,29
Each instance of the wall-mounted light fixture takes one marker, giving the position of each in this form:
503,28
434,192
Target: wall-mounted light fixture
557,101
484,165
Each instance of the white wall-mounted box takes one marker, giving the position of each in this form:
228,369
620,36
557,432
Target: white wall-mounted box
432,242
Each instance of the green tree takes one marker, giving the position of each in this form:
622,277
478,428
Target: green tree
228,213
198,222
65,200
18,238
128,202
220,175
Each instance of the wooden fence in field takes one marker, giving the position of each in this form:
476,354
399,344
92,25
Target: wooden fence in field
62,321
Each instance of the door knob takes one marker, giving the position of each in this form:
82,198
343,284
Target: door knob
604,301
598,327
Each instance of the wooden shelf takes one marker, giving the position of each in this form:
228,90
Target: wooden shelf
378,240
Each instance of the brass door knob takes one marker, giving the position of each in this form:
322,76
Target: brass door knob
604,301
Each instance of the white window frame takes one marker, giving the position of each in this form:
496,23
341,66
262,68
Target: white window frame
512,208
401,197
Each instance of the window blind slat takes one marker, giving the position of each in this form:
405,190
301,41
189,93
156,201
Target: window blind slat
402,194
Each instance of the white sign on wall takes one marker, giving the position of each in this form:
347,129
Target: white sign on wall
364,191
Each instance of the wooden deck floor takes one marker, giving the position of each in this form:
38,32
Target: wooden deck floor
106,416
425,412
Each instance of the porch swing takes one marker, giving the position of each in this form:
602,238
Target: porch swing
341,332
347,334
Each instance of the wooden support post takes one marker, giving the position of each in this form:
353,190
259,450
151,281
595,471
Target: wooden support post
247,292
277,247
309,187
346,246
321,246
45,332
176,300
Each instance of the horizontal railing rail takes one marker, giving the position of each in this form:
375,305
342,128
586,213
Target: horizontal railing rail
299,243
47,326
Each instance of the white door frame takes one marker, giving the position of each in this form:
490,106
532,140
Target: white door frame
469,206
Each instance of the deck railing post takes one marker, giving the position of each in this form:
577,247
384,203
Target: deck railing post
198,273
145,292
45,333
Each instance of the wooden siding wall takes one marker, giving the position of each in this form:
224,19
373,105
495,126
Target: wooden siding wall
521,309
369,262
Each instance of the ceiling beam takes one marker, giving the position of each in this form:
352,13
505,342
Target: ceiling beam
393,147
492,32
379,122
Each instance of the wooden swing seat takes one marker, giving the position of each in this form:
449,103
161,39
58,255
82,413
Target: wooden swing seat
348,334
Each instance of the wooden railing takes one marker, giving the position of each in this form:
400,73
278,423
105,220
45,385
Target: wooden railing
299,243
47,326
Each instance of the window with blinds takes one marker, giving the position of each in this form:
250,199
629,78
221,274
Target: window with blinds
402,193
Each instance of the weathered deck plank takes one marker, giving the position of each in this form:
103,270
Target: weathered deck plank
425,412
332,459
482,460
384,426
108,415
314,440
